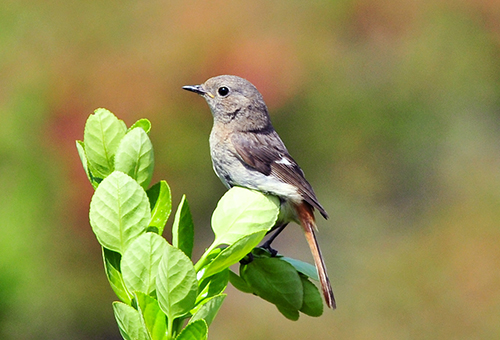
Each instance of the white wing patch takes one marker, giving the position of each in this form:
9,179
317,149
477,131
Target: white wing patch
285,161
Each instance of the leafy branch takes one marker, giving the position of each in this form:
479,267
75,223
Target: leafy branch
163,294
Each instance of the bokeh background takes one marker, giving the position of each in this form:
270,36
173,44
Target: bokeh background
391,108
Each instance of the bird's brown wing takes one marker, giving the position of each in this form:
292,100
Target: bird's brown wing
265,152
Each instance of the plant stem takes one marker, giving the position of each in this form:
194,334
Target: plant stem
170,333
203,259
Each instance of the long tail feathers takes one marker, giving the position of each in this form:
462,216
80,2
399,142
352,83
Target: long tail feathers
306,216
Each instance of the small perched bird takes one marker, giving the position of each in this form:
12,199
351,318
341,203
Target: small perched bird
246,151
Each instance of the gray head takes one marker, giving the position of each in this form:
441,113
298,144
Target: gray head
234,101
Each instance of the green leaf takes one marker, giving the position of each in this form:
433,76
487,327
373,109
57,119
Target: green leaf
80,146
312,302
129,322
274,280
241,220
176,283
140,262
111,261
213,285
143,123
183,228
160,201
241,212
289,313
154,319
209,309
305,268
239,283
119,212
197,330
232,254
135,157
102,135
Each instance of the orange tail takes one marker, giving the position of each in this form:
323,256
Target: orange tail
306,217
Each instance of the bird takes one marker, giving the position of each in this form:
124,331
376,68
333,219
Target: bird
246,151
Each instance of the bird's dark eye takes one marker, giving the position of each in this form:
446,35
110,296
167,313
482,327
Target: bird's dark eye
223,91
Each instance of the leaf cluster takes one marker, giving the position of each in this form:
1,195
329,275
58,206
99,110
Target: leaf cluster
163,294
282,281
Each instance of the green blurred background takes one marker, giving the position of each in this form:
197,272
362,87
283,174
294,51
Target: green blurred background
391,108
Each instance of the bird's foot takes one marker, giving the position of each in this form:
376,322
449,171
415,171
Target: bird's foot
271,250
247,259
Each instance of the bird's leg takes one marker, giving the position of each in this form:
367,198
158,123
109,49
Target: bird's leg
266,245
276,231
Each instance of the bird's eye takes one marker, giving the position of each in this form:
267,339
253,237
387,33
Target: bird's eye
223,91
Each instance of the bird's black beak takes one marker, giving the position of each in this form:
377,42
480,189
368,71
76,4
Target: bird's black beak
195,88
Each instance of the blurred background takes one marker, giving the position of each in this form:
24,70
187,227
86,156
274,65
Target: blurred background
391,108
